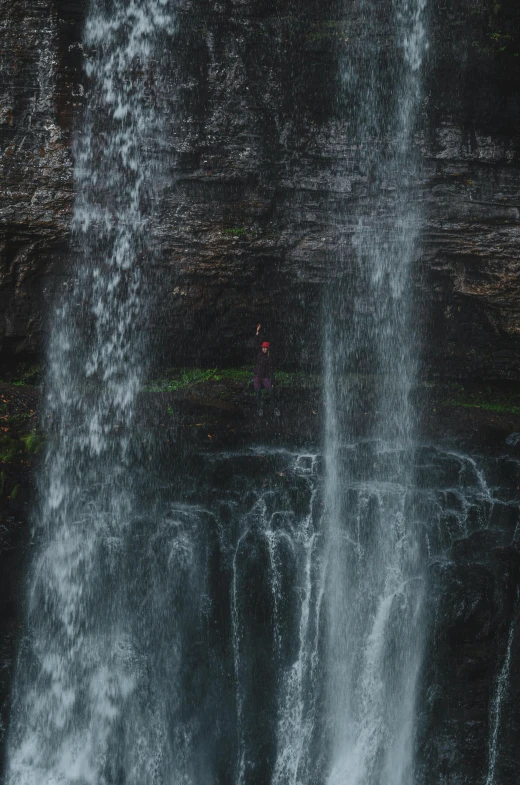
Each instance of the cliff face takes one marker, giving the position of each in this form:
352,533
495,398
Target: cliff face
257,207
259,201
469,706
37,105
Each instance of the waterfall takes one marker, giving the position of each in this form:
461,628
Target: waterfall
374,587
251,617
501,689
81,669
276,728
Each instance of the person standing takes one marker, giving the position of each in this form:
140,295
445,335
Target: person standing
263,374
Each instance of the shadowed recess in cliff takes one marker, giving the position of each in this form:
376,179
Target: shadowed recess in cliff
374,576
81,666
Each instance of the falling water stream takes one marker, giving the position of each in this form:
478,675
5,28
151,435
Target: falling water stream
80,670
501,689
374,581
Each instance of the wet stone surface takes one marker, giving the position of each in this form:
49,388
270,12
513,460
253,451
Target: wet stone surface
260,161
238,520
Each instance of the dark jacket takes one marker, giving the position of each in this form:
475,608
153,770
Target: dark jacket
264,365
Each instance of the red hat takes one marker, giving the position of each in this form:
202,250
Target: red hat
265,345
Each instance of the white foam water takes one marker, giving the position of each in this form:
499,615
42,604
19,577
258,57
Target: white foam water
374,590
79,669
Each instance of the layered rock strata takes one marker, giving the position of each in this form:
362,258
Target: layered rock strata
260,170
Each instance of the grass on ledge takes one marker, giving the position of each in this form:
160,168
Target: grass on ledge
491,400
178,379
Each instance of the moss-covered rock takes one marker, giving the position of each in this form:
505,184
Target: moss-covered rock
20,441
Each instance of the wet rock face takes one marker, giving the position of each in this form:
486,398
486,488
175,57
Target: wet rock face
14,533
40,68
469,707
258,162
471,162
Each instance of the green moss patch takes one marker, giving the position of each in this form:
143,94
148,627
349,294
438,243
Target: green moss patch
489,399
33,442
23,375
20,440
330,30
239,231
499,31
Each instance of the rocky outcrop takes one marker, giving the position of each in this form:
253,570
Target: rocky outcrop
258,162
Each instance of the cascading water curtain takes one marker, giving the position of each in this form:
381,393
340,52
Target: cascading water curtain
373,577
79,713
